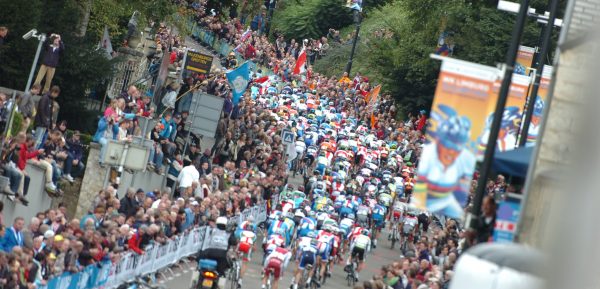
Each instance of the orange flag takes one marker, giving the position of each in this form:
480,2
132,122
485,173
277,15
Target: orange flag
373,95
373,120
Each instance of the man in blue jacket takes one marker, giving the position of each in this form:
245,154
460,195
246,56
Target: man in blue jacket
13,236
53,48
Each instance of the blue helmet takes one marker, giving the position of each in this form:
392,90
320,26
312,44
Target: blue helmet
454,132
538,107
511,117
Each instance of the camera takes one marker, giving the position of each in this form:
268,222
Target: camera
30,34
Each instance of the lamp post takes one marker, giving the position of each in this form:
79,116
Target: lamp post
541,60
511,56
357,21
41,37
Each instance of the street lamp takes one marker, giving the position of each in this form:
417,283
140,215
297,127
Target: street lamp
41,37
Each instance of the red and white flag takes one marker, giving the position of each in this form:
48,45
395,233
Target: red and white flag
246,35
300,63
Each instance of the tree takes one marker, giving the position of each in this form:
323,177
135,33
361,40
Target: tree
401,63
311,18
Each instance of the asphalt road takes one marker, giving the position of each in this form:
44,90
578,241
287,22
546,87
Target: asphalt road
382,255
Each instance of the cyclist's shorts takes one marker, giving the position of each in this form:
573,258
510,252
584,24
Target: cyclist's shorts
307,258
244,248
360,252
275,265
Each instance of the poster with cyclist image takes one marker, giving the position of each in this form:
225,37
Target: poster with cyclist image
458,115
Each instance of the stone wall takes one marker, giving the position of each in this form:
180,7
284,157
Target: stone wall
96,178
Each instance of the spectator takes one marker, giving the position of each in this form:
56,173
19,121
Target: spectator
53,48
14,236
26,105
43,117
74,156
3,33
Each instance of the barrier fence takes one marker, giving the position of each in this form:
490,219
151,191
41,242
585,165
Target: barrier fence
222,47
156,257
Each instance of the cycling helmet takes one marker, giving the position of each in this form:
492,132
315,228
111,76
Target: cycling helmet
365,232
454,131
311,234
299,214
538,107
351,216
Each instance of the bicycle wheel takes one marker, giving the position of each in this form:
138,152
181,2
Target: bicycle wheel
393,238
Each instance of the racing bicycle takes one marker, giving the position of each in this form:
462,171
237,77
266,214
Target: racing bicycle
270,280
351,272
234,272
394,235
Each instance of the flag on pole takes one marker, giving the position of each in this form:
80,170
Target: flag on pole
300,63
246,35
239,79
105,43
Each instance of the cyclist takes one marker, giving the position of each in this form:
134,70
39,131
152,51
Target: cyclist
307,224
308,255
378,216
409,226
246,246
360,245
325,245
363,213
247,225
277,227
396,217
346,226
276,262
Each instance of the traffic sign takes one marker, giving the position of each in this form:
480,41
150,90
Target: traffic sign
287,136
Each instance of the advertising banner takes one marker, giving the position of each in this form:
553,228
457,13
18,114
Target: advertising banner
511,118
198,62
507,218
458,116
539,105
524,60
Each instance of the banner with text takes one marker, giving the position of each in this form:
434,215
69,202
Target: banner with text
197,62
458,115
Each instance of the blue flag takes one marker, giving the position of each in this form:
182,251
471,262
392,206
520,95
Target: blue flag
238,80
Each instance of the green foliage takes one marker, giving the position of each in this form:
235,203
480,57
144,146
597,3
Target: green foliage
17,123
311,18
402,64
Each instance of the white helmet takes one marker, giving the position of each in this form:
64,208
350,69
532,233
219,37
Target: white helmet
222,221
